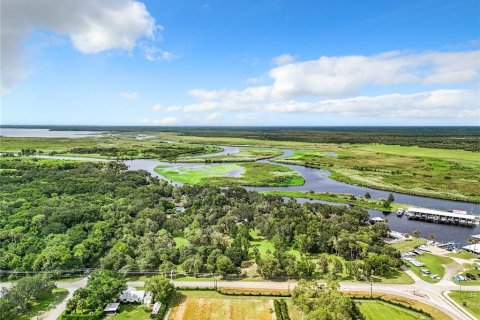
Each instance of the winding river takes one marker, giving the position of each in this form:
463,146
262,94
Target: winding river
318,180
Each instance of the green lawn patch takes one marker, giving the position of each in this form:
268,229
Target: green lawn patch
409,244
379,310
463,255
132,312
231,174
180,241
433,263
471,298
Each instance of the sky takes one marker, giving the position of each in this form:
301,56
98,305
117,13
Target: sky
240,63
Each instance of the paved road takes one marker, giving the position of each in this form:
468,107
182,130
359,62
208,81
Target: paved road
432,294
428,293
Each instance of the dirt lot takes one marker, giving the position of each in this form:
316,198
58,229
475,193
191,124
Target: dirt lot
213,306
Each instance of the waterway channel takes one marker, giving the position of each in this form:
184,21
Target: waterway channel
318,180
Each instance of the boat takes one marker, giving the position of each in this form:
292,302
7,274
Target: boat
400,212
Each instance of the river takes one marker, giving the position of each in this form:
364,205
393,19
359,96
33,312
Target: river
318,180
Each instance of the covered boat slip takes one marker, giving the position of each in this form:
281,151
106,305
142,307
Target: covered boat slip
456,217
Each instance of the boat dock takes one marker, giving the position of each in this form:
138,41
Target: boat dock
456,217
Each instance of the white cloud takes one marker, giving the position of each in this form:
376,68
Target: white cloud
347,75
214,116
153,53
129,95
167,121
92,26
435,104
159,107
339,77
283,59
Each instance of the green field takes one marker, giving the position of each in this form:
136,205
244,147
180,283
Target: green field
132,312
379,310
45,303
250,174
470,268
339,198
471,298
438,173
123,146
245,154
433,263
409,244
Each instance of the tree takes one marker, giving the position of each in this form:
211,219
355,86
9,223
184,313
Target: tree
161,288
390,198
324,302
323,263
103,286
167,267
367,195
193,264
336,266
378,264
416,233
431,236
225,265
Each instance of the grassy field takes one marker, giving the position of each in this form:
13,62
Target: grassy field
433,263
246,174
379,310
471,298
210,305
123,146
410,244
439,173
45,303
244,155
264,245
339,198
470,268
463,255
132,312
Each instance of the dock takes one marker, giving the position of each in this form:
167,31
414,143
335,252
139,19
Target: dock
456,217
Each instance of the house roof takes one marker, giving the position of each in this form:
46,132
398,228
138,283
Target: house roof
111,307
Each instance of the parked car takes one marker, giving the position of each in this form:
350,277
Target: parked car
470,276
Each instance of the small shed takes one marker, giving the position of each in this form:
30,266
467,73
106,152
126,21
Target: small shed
111,308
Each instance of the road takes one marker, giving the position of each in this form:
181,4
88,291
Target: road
428,293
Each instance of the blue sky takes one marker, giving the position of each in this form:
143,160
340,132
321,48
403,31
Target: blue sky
125,62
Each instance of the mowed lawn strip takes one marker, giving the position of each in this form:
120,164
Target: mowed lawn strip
379,310
471,298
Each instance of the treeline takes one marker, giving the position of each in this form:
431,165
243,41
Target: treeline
63,215
165,151
465,138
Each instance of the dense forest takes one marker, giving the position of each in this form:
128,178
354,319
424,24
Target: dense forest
63,215
466,138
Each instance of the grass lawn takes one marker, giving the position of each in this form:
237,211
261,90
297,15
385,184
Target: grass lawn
45,303
244,155
472,299
132,312
339,198
265,245
463,255
379,310
433,263
210,305
231,174
470,269
180,241
438,173
410,244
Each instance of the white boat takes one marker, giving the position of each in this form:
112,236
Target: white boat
400,212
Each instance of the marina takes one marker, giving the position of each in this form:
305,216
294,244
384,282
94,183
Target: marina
457,217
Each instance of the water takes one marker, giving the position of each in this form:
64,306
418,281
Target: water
442,232
318,180
46,133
